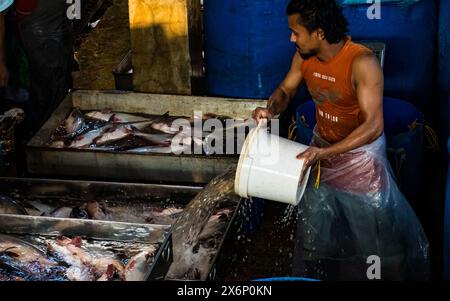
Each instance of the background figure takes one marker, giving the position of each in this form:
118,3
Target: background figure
47,38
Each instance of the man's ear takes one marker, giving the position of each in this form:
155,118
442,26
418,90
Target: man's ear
320,34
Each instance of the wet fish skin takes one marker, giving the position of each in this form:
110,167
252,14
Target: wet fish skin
88,138
123,117
74,122
103,116
137,266
61,212
114,134
96,211
161,150
23,251
162,139
71,248
164,127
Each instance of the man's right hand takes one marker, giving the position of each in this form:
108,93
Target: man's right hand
4,75
262,113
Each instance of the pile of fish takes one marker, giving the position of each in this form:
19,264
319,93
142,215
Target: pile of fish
115,131
133,212
38,258
199,233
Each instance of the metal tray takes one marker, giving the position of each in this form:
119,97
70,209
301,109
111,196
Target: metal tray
95,229
43,160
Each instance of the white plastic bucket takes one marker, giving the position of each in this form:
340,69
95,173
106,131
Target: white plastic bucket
268,168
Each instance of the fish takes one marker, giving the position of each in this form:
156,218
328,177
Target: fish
124,144
216,225
77,271
10,206
155,149
167,216
137,267
165,128
84,266
37,207
74,122
128,118
194,264
85,140
22,251
61,212
101,263
162,139
114,134
68,212
96,211
111,274
103,116
5,277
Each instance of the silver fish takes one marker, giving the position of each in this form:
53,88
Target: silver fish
23,251
62,212
160,139
87,139
176,149
123,117
114,134
74,122
104,116
138,265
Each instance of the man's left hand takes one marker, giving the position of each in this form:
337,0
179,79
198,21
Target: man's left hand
310,157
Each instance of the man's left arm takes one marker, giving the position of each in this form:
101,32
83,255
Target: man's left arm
367,78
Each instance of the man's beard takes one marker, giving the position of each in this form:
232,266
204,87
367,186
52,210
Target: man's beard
307,55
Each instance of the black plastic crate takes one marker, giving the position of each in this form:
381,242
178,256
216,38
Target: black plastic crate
123,74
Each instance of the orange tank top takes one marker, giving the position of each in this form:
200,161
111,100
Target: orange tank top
330,85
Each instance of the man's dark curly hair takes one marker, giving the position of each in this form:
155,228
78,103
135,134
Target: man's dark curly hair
324,14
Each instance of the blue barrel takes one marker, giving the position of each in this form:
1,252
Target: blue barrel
247,47
444,64
306,121
447,226
444,46
409,32
404,130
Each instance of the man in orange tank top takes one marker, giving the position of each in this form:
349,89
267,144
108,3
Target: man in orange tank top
357,210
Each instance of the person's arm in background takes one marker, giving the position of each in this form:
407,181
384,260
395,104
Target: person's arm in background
282,95
4,74
367,77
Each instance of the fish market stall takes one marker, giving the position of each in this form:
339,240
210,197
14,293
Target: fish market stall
108,226
117,231
99,159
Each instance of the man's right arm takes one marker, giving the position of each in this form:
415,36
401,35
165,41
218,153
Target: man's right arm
282,95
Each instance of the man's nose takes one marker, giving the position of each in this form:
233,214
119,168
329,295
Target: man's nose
293,40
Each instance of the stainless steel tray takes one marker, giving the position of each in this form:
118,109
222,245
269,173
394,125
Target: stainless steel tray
95,229
43,160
